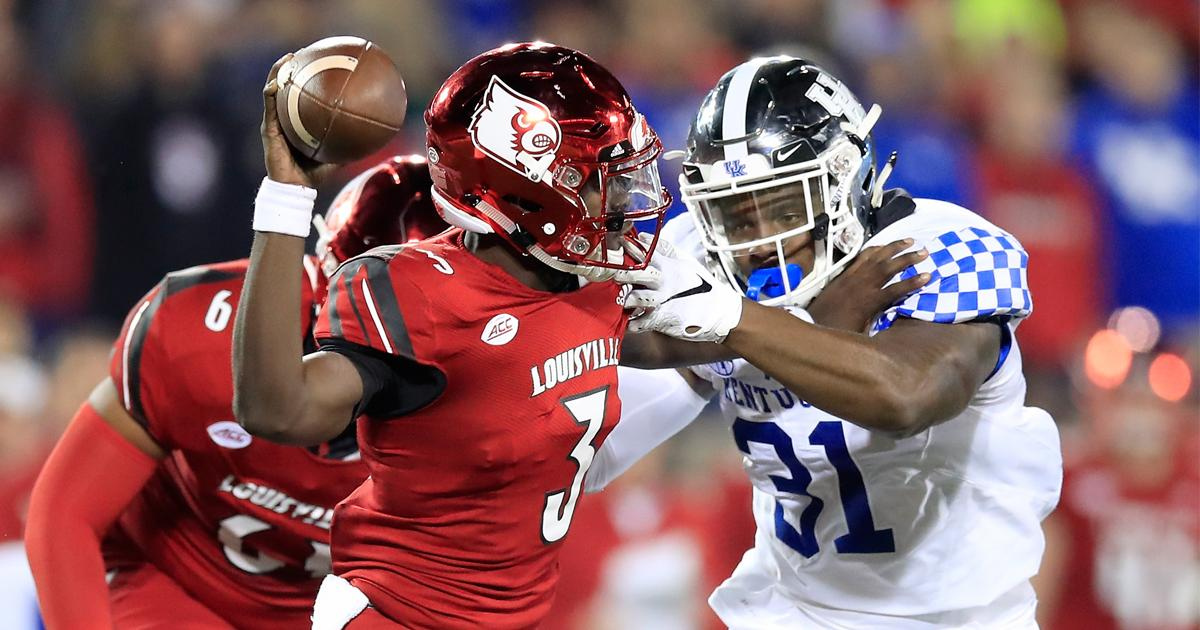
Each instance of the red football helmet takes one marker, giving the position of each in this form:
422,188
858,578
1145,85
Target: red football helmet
541,145
387,204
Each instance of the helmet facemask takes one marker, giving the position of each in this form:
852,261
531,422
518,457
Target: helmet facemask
776,214
614,195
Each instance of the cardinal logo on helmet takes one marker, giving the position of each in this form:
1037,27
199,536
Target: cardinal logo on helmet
516,130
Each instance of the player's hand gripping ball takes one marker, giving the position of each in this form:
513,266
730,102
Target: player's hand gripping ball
340,99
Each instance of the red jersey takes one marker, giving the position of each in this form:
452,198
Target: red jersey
1134,553
237,521
470,496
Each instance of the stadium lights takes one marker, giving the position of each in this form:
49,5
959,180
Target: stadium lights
1170,377
1107,359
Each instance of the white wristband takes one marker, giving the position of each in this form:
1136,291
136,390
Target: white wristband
284,208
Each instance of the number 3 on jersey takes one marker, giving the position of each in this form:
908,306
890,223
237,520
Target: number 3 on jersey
586,409
861,537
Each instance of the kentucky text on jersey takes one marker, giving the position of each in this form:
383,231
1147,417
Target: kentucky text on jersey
277,501
558,369
758,398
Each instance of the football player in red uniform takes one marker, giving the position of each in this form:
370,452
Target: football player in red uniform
198,524
484,369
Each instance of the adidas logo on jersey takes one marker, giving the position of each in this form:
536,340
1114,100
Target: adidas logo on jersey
623,293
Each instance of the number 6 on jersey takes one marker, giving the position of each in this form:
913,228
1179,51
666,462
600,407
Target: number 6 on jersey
586,409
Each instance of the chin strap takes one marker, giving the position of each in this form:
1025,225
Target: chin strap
592,273
588,273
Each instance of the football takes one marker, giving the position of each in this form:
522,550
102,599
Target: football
340,99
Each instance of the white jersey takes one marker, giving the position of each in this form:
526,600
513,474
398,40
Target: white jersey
856,528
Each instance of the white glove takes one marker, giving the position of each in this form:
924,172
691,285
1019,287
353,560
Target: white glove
681,299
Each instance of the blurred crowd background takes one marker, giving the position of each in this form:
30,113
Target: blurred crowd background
129,147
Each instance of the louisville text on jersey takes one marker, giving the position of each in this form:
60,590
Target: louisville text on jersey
277,501
593,355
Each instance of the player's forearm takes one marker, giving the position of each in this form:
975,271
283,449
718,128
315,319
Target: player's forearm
845,374
68,519
69,574
267,345
652,351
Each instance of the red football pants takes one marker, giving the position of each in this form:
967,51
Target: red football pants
143,598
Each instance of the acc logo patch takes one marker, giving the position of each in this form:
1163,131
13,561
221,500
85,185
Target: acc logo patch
229,434
516,131
499,330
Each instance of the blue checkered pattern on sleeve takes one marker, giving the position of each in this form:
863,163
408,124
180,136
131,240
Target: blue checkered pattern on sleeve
976,274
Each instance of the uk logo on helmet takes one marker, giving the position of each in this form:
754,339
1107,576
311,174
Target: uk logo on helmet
735,168
516,130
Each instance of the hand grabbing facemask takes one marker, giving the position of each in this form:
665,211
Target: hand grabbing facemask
679,298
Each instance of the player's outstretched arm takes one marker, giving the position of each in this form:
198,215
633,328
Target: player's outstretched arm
659,403
652,351
907,378
848,303
278,393
903,380
68,517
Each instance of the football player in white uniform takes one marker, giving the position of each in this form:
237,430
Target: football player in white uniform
899,480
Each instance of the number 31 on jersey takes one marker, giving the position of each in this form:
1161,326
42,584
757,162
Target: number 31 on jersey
861,536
